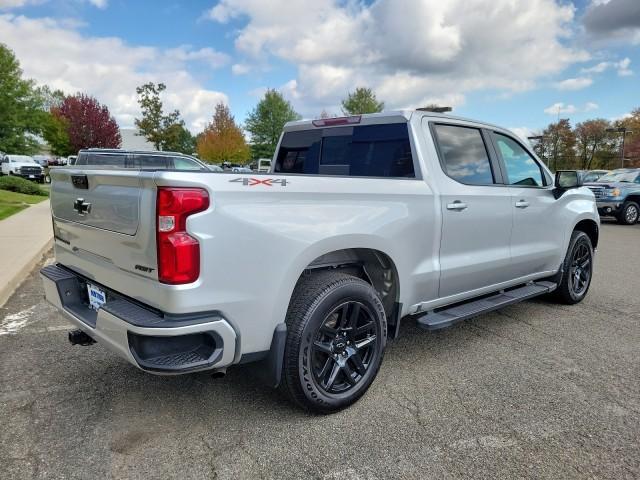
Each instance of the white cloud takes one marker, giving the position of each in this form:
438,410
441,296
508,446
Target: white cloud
240,68
9,4
577,83
590,106
110,69
560,108
12,4
207,55
622,67
408,51
522,133
99,3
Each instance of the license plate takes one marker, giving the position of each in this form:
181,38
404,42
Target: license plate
32,176
97,297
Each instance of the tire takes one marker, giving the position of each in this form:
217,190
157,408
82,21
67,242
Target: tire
326,367
574,284
629,214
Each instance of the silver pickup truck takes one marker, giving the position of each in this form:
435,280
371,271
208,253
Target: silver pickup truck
308,270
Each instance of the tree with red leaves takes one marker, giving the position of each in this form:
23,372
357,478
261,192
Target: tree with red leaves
88,123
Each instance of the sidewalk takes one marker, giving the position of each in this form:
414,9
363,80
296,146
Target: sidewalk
24,238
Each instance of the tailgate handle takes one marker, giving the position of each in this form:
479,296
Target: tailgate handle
80,181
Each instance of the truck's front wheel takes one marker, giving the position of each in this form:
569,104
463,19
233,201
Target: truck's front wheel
629,213
336,335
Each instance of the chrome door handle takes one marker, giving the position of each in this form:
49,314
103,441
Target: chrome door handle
457,205
522,204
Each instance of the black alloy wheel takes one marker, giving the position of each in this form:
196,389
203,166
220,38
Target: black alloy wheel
343,347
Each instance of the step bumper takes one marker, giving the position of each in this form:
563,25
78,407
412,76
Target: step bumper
152,341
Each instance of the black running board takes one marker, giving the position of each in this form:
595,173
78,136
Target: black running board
463,311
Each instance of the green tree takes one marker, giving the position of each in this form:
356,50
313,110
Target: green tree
21,107
557,147
223,139
632,141
178,138
55,131
265,123
51,99
156,126
363,100
593,142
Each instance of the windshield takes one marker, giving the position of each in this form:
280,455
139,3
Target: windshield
619,177
22,159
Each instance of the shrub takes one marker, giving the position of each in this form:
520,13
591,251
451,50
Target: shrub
20,185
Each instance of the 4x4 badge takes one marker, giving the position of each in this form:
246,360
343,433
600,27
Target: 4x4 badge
269,182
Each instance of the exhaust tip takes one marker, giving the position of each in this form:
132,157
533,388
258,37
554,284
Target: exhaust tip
219,373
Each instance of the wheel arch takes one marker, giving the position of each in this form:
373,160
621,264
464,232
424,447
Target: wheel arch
372,265
591,228
634,197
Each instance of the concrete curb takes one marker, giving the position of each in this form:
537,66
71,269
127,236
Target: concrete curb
9,288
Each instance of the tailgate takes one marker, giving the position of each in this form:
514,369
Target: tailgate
104,217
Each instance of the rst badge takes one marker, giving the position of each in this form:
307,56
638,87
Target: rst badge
268,182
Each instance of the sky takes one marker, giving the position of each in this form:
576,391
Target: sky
516,63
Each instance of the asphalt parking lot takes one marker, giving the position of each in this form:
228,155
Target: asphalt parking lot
534,391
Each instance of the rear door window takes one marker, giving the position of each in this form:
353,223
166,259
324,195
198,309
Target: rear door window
150,161
464,154
104,159
356,151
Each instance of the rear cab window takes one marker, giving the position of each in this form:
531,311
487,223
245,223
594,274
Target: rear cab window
381,150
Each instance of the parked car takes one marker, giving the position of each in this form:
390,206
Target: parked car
308,271
138,159
22,166
215,168
592,175
618,195
241,170
264,165
43,160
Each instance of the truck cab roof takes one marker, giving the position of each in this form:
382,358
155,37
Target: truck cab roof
391,116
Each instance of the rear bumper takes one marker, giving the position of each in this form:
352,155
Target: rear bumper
152,341
609,208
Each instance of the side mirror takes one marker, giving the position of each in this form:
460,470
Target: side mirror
566,180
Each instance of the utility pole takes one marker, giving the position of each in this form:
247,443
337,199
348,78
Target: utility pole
623,131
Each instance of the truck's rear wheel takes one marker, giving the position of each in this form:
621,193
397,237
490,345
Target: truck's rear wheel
629,213
577,270
336,335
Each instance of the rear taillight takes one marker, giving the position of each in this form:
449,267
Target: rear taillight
178,252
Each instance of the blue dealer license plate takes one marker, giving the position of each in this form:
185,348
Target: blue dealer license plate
97,297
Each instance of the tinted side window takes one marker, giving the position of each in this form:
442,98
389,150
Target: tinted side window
522,169
180,163
113,160
359,151
464,154
150,161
